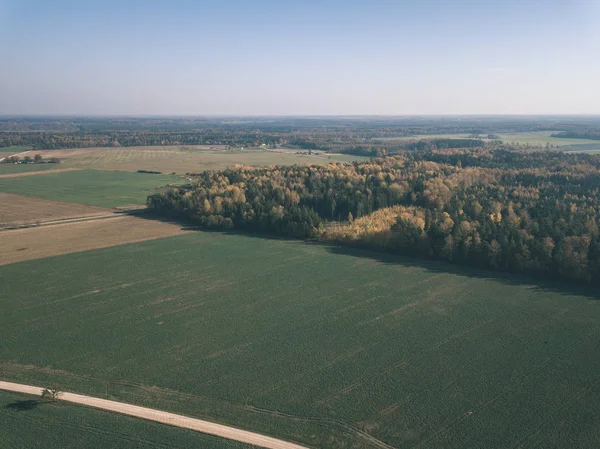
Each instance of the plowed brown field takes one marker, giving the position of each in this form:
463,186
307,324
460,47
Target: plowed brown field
19,209
36,243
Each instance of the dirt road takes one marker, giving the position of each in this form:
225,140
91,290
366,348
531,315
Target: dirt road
64,221
162,417
13,155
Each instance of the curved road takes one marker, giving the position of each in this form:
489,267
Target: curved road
150,414
13,155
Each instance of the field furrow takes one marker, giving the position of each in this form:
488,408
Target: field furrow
324,346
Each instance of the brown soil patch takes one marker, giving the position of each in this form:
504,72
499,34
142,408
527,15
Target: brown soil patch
35,173
47,154
174,158
18,209
46,241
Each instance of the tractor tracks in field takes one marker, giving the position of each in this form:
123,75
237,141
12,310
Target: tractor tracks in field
160,416
341,426
116,214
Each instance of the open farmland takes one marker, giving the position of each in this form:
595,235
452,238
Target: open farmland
18,209
539,138
15,169
591,148
31,423
35,171
92,187
324,346
179,159
422,137
35,243
542,138
9,151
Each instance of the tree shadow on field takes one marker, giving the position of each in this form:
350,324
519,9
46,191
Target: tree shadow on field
23,406
435,266
538,283
149,215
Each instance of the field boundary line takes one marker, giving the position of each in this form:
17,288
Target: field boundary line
172,419
116,214
37,172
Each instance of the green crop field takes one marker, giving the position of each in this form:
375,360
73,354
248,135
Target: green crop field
325,346
91,187
28,423
344,158
7,169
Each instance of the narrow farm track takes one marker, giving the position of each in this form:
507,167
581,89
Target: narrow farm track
13,155
159,416
116,214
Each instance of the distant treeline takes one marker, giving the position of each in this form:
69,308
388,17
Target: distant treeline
365,136
358,127
378,149
51,141
369,136
420,145
584,134
535,212
347,143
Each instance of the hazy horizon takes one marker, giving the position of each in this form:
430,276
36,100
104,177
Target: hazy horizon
290,59
283,115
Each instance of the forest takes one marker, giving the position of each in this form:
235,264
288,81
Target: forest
372,136
60,140
525,212
592,134
347,142
379,150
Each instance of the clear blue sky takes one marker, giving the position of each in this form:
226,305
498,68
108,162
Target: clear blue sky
260,57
